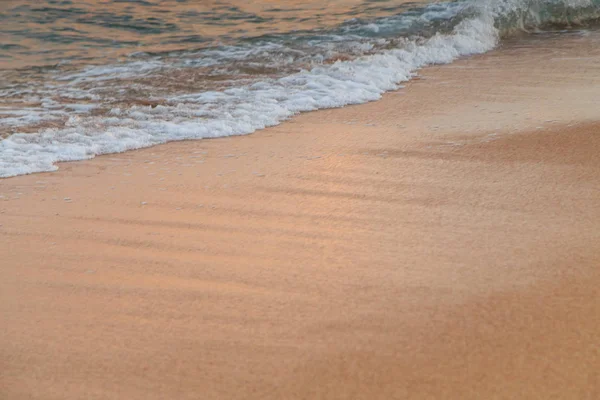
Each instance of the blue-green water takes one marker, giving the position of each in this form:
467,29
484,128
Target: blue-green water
53,31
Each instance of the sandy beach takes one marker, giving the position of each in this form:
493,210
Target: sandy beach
442,243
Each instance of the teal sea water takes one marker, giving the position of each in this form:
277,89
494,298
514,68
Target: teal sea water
82,78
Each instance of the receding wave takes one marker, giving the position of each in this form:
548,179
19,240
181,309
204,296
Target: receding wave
66,112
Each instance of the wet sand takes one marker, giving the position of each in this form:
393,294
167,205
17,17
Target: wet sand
442,243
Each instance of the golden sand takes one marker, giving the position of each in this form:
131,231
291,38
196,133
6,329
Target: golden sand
442,243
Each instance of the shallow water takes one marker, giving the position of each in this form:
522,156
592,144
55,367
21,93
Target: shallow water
56,31
78,79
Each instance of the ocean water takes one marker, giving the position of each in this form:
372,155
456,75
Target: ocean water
90,77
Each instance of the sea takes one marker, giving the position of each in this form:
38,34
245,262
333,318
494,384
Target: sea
80,78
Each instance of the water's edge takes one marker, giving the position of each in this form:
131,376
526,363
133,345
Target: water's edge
88,127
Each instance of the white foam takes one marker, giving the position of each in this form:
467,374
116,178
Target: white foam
105,72
243,110
20,118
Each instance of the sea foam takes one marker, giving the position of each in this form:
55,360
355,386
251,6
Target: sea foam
245,109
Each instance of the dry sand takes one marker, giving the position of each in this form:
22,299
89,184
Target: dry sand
442,243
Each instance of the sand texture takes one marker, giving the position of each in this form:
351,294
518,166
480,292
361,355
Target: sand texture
442,243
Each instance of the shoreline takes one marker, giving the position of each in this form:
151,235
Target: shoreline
438,243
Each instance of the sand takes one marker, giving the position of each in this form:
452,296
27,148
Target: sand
442,243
